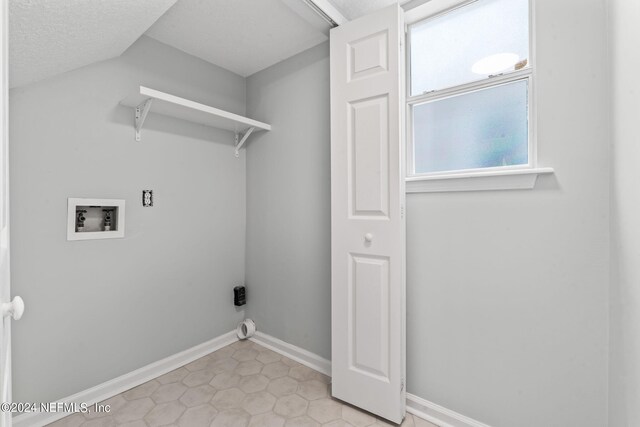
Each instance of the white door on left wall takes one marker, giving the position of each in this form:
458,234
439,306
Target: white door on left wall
8,309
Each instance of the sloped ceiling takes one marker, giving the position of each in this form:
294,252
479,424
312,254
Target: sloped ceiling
49,37
244,36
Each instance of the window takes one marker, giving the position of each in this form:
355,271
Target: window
470,90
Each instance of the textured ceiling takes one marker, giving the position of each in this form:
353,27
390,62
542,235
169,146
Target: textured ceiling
244,36
353,9
49,37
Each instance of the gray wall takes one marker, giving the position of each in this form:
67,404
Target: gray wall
624,385
99,309
507,291
288,200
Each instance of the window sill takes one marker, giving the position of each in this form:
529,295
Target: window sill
521,179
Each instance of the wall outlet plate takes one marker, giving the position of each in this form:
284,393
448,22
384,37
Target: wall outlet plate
147,198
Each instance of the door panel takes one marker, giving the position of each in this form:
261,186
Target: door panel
369,291
370,166
369,55
367,214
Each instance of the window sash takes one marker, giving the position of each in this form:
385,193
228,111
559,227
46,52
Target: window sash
435,12
411,161
503,78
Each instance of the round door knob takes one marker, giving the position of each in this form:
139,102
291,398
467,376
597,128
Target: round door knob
15,308
368,237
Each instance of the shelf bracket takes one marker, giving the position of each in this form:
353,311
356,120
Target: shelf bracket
240,143
141,114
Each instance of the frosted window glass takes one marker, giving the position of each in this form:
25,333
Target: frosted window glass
445,49
482,129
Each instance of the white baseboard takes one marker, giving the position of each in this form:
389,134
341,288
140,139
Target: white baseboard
293,352
127,381
417,406
438,415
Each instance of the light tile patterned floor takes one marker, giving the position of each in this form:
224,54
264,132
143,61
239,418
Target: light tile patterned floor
241,385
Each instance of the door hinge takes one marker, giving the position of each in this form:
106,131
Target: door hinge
402,211
402,385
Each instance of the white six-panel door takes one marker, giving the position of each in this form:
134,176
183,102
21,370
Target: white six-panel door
367,214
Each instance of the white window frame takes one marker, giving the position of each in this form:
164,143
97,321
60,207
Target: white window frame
494,178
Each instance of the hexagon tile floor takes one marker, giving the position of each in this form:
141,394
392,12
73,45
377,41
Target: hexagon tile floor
240,385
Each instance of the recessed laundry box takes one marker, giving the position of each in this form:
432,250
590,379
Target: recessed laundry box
89,219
